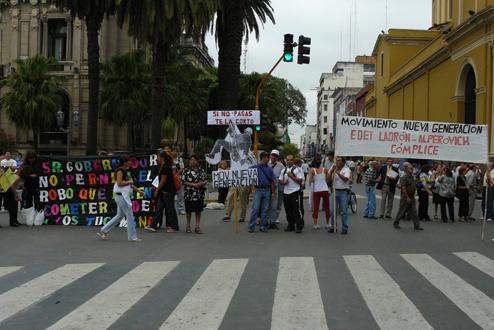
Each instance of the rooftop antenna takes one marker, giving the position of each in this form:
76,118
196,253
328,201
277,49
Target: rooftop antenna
386,15
341,43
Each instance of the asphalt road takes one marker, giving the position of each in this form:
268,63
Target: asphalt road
375,277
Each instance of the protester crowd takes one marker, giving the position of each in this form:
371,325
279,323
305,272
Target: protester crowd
281,184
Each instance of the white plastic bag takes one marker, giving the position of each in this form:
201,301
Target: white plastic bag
27,216
39,219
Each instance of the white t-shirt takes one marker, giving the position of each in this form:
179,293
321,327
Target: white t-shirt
291,186
305,167
8,163
338,182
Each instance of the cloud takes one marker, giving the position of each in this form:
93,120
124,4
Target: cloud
328,23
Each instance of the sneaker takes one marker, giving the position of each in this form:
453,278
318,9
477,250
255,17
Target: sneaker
102,235
226,219
277,222
182,213
241,220
481,218
418,228
344,232
396,226
327,227
381,217
136,240
298,231
489,220
331,230
251,230
315,227
150,229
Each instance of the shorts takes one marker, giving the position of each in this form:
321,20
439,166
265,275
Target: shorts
436,199
194,206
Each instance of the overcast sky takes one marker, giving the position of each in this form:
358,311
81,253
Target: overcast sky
328,23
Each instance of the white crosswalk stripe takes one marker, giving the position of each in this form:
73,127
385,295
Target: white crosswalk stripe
478,306
106,307
297,301
478,261
7,270
388,304
207,302
29,293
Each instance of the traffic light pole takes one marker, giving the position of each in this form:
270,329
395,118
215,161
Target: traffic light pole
258,99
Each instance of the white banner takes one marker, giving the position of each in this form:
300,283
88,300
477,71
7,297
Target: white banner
237,117
235,178
374,137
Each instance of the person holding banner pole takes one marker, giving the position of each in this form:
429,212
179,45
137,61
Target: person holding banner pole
121,190
462,193
340,175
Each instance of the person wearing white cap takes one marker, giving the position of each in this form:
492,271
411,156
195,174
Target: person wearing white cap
277,198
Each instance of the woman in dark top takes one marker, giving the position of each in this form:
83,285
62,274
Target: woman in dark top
28,173
164,196
462,193
222,192
194,180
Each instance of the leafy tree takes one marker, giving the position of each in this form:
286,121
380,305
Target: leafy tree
188,108
234,19
124,94
160,24
32,96
290,149
92,12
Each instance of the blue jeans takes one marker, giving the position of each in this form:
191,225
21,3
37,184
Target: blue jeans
261,202
370,210
274,206
342,204
123,210
179,200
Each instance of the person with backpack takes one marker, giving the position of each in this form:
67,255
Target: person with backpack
121,191
194,179
446,189
164,196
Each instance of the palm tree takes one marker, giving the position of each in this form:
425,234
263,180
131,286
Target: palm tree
92,12
33,96
160,24
234,20
124,92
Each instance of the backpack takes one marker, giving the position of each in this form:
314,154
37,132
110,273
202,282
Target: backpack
177,182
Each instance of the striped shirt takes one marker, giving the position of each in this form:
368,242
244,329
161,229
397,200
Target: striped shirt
370,177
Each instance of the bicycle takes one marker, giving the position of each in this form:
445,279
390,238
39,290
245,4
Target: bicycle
352,200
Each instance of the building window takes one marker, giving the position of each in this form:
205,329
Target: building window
325,107
382,64
325,119
57,39
369,68
325,131
325,97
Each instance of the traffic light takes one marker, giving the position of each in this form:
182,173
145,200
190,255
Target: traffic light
303,50
263,121
288,48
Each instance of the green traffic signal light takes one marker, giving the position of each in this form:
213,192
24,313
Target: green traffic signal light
258,128
288,57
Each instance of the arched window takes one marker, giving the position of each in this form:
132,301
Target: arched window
470,97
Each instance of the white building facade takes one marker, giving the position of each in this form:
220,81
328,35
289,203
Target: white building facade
308,141
351,75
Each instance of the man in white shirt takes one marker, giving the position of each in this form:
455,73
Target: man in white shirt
277,198
291,178
340,176
8,162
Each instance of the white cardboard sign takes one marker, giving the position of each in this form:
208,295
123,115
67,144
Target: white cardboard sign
237,117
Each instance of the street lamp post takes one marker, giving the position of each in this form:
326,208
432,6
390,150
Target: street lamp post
61,121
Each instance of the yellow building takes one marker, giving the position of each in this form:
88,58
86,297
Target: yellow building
441,74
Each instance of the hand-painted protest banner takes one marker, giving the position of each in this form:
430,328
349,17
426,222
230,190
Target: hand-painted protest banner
80,191
235,178
358,136
237,117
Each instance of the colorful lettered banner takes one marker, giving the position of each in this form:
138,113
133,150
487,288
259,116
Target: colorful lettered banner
80,191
